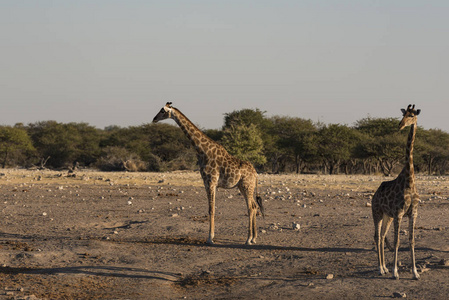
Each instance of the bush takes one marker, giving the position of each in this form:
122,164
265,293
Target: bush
120,159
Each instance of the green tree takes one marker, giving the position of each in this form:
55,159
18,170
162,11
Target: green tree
246,117
383,142
65,144
295,137
245,143
15,145
377,127
433,147
336,145
162,146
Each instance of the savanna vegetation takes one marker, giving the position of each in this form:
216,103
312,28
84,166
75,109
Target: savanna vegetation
277,144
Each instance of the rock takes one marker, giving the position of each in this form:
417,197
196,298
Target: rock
274,227
444,262
368,204
399,295
296,226
330,276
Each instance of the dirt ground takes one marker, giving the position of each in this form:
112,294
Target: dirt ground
142,236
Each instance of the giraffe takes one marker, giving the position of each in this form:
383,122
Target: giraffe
218,169
396,198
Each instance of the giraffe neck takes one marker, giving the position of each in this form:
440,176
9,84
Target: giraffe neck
409,168
199,140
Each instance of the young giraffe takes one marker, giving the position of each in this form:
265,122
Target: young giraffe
396,198
218,169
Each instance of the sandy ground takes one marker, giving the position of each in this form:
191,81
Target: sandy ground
142,236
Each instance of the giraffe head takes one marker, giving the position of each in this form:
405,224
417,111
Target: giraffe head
164,113
409,116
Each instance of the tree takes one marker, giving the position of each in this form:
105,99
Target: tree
294,136
14,143
336,144
246,117
433,146
245,143
65,144
385,143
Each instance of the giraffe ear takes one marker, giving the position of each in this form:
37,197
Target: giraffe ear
403,111
418,111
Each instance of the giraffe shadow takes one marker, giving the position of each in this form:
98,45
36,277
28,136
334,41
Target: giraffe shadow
227,244
101,271
423,249
192,242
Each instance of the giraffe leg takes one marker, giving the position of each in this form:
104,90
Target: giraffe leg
210,189
248,193
397,226
412,220
386,222
377,240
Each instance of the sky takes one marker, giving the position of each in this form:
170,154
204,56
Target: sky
118,62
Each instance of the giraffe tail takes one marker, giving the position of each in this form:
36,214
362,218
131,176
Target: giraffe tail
260,202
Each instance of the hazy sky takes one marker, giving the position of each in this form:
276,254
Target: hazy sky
118,62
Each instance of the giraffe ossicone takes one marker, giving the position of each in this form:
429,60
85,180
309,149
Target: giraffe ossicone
397,198
219,169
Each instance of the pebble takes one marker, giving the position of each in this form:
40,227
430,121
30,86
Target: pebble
330,276
296,226
368,204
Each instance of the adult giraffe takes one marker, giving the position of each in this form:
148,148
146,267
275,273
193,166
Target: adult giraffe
396,198
218,169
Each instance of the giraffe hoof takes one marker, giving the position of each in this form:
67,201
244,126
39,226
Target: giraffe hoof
210,241
416,277
250,241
